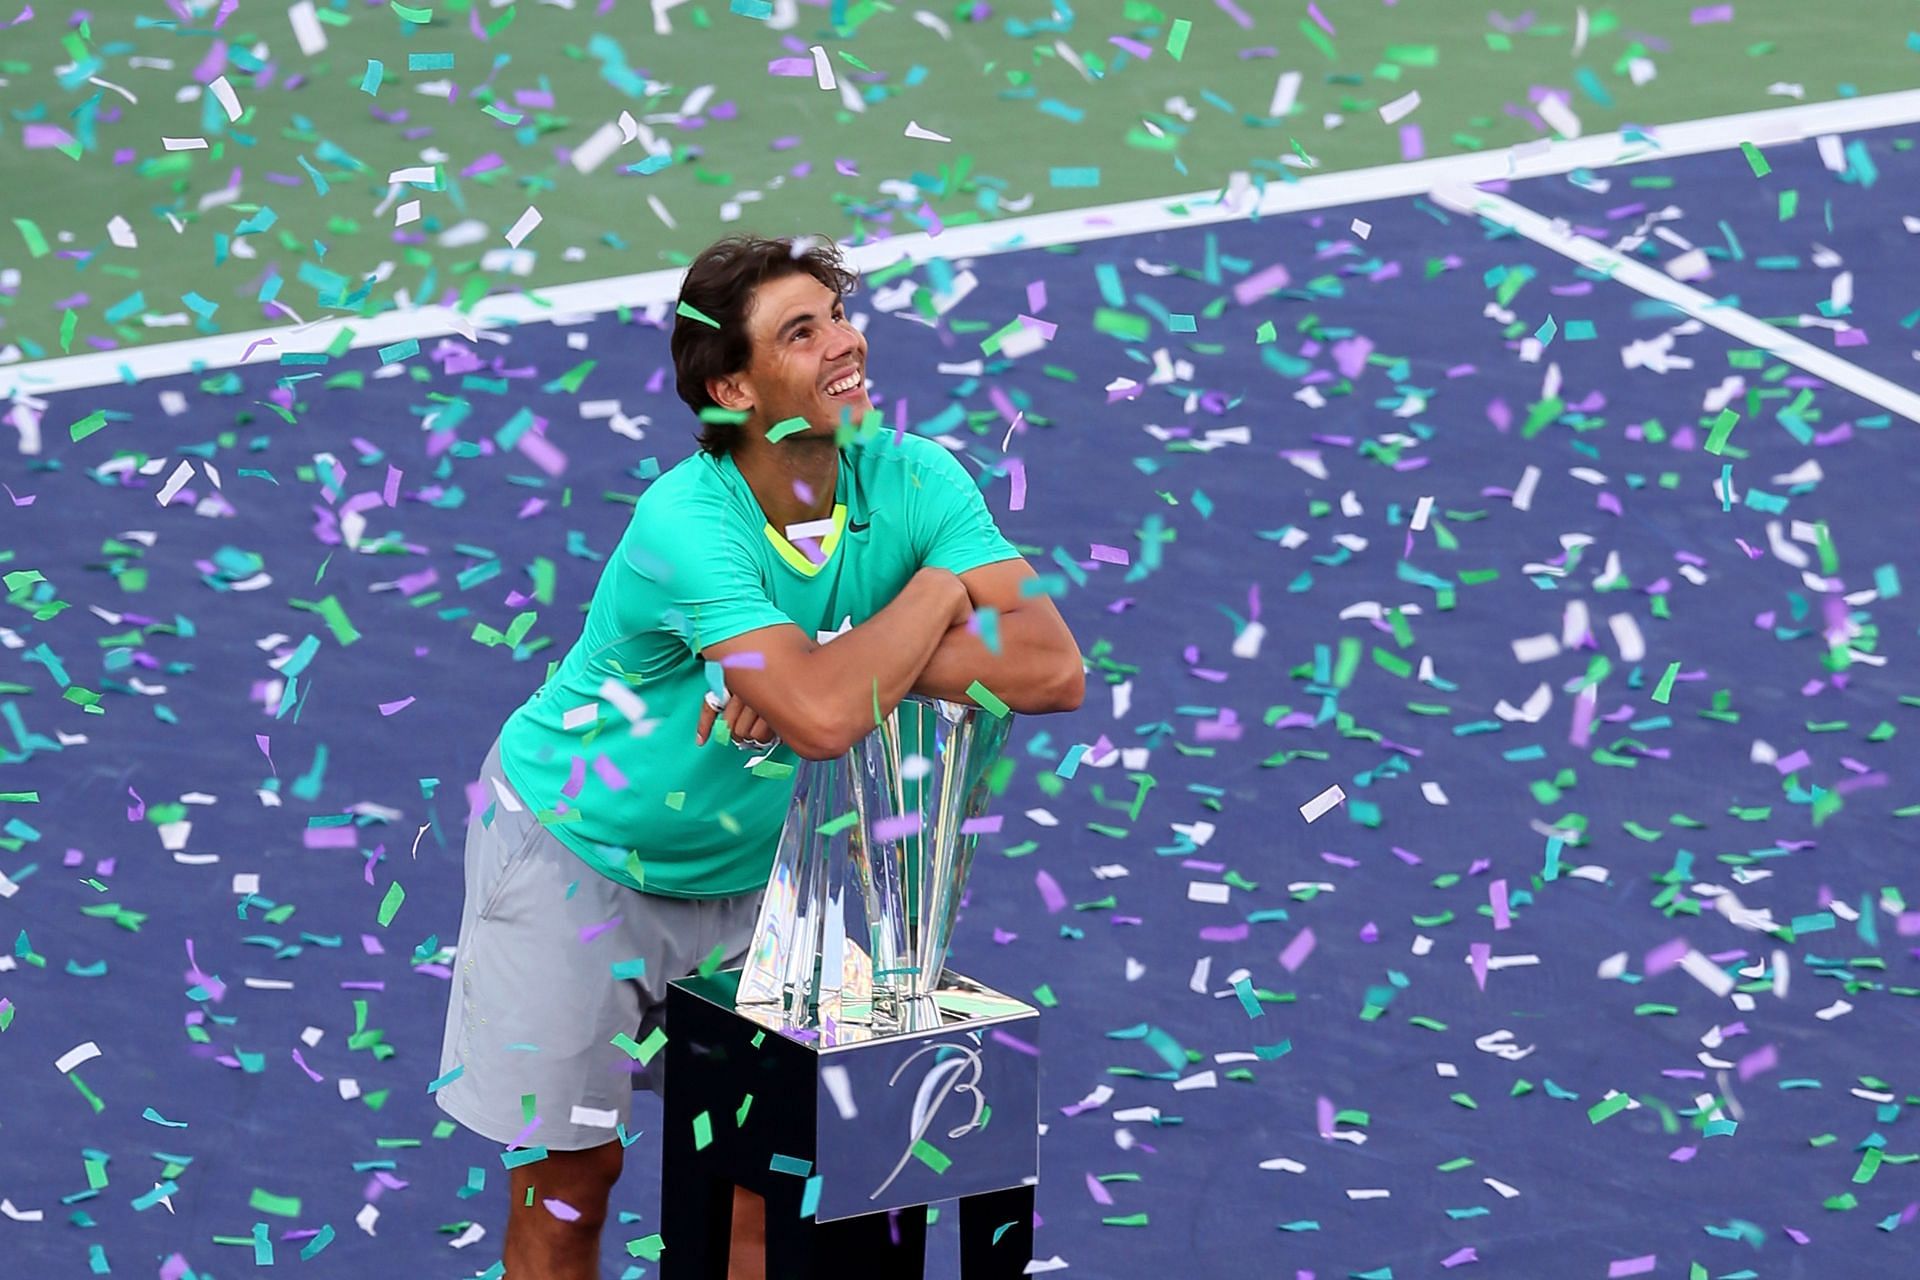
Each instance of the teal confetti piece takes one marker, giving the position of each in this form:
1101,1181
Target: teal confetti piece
429,62
626,969
399,351
1248,1001
459,1069
320,1241
1083,176
810,1198
157,1118
514,1159
370,82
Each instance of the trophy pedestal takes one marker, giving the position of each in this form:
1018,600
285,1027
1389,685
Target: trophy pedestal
848,1131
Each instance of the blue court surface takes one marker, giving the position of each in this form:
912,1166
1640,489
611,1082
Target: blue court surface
1606,965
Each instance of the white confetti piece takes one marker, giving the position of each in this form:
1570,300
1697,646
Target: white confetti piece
913,131
1314,808
593,1118
1400,108
1362,228
1284,1165
75,1056
1285,92
1433,793
1535,648
307,30
840,1089
822,69
524,227
600,144
1560,117
175,483
223,94
1523,492
1207,891
184,144
1707,973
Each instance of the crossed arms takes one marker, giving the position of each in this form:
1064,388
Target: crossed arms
822,699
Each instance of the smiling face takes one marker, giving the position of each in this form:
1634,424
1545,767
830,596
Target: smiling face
808,361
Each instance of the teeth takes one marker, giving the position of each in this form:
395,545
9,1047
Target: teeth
845,384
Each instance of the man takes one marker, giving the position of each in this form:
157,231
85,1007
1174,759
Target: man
810,573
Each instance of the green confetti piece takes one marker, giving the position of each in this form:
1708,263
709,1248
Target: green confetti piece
1120,324
692,312
648,1247
1664,689
1177,38
88,425
410,14
1608,1107
390,905
986,699
702,1131
626,1044
789,427
1722,428
1756,161
279,1206
655,1041
36,242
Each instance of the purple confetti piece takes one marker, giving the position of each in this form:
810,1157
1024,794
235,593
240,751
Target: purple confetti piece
1050,893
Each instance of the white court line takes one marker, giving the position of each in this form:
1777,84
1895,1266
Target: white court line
1540,158
1637,275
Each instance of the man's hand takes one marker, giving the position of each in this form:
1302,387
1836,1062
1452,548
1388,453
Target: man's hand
743,722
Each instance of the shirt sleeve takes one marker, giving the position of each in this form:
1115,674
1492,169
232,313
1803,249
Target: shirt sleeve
952,527
700,589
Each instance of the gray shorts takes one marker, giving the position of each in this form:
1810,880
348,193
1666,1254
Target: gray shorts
534,1006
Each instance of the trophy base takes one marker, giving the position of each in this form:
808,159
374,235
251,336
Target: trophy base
842,1128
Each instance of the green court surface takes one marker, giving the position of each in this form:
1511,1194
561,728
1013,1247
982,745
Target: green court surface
1046,108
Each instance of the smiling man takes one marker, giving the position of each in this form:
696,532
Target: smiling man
796,575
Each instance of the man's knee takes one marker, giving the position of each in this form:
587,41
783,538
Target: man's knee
570,1187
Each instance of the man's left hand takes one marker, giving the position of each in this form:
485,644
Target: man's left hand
744,724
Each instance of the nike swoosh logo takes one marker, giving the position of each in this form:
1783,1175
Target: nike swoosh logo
858,528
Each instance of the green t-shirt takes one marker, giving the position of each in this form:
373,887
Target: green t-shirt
699,564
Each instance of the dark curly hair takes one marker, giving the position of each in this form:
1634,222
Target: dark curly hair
720,285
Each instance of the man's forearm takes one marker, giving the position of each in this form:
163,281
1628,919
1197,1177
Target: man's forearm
1026,673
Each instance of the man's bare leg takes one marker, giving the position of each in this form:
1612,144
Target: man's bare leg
541,1245
747,1254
